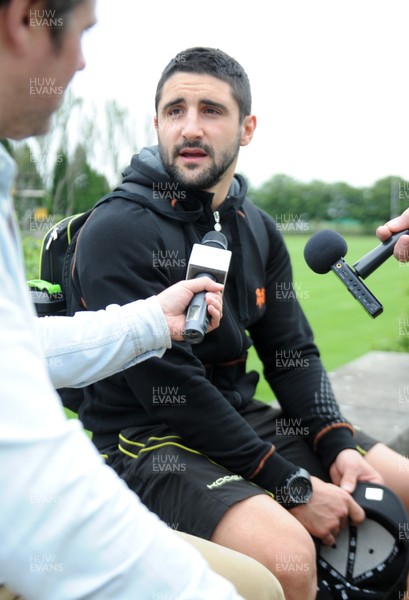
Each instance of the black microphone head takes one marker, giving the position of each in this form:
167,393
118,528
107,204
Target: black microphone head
323,249
216,239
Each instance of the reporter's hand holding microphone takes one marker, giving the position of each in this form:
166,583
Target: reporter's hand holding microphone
384,232
200,294
175,300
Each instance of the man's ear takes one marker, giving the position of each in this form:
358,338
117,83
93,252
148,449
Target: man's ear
18,16
248,129
155,122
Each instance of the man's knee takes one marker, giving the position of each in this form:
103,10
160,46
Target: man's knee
295,565
262,529
293,559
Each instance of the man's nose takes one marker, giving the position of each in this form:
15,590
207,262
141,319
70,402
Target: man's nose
191,127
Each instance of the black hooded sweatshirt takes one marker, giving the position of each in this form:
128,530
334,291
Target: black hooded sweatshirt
129,250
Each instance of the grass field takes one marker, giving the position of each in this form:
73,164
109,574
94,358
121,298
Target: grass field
343,330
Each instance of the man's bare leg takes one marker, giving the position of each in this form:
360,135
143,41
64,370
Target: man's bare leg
264,530
394,469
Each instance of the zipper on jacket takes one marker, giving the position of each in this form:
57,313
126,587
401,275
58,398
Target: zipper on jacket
217,225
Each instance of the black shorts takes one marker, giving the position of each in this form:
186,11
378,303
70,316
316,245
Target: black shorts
190,492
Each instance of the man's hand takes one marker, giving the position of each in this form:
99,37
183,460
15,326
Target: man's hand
349,467
329,509
175,300
384,232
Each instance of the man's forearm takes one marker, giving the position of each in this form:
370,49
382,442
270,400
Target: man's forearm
89,346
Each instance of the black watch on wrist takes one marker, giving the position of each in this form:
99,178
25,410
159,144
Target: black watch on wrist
296,489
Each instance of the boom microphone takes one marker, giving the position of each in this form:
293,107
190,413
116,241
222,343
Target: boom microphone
324,252
210,259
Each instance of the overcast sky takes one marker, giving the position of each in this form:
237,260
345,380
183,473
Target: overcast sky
330,78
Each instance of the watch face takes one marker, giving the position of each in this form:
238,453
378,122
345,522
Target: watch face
299,489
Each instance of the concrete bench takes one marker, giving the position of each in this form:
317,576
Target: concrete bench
373,393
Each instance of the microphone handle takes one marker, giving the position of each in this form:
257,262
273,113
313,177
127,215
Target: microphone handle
197,317
371,261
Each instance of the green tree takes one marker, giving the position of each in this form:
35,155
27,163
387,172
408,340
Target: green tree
285,198
58,199
379,201
76,186
29,188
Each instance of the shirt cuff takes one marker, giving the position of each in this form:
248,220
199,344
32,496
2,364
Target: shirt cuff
336,438
148,324
274,471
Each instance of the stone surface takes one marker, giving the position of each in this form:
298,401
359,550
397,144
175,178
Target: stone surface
373,393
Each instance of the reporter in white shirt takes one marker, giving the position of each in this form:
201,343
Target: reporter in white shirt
69,528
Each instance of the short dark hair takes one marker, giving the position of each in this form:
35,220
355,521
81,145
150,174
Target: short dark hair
214,62
59,9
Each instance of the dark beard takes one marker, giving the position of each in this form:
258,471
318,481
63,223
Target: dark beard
207,178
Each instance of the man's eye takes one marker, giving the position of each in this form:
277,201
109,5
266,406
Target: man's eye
174,112
212,111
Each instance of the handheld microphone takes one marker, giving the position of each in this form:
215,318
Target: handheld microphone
324,252
210,259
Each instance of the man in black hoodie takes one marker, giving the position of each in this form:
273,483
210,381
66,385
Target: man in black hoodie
193,443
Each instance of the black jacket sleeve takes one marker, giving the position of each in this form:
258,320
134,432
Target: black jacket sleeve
292,365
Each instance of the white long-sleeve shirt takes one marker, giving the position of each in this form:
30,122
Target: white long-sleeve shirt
90,346
69,528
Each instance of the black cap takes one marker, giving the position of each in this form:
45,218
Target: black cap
370,560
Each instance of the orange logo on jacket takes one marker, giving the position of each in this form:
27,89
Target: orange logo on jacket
260,297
